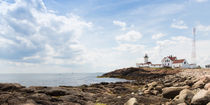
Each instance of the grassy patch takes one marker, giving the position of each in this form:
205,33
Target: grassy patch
100,104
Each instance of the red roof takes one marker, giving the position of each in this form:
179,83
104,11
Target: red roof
148,63
179,61
172,58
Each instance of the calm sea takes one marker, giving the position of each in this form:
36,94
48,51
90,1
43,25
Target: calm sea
67,79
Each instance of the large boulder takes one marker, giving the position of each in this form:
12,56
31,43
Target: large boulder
207,86
201,98
205,78
171,92
131,101
202,81
185,96
198,84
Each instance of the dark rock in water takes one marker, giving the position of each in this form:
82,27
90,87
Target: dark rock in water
10,86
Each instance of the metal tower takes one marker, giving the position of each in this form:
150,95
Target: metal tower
194,47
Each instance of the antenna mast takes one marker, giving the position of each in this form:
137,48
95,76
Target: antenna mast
194,47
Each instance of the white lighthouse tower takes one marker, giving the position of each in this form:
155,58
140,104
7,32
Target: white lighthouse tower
146,58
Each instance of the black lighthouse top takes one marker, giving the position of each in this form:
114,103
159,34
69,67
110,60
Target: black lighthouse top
146,56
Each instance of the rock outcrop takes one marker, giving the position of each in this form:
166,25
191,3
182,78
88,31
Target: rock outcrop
157,87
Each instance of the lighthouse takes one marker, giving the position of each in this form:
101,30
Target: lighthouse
146,58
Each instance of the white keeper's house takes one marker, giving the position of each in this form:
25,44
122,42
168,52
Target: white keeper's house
172,61
169,61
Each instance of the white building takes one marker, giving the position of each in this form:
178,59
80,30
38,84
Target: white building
173,62
208,66
181,63
193,66
156,65
168,61
147,63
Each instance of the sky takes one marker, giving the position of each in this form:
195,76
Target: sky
85,36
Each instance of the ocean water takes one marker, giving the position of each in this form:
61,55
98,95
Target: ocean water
67,79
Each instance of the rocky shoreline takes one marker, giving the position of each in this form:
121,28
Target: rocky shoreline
151,86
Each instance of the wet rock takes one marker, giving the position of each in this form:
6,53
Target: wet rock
27,90
14,101
10,86
171,92
201,98
4,98
131,101
76,98
56,92
39,96
121,90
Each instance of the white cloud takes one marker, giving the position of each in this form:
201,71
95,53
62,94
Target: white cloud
30,33
158,36
133,48
120,23
130,36
179,24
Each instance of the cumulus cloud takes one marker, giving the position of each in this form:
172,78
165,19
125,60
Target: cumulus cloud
32,33
158,36
130,36
179,24
120,23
